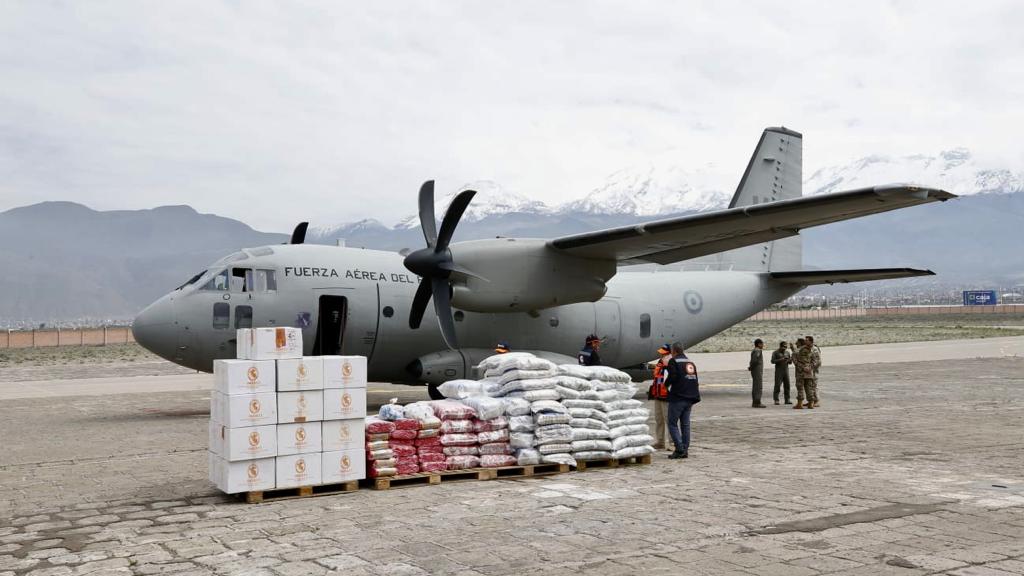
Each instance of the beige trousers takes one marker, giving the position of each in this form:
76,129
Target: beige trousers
660,410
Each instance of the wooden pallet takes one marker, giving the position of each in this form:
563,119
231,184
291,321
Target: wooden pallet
529,471
429,478
259,496
584,465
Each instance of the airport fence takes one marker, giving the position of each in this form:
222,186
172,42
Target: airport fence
47,338
829,313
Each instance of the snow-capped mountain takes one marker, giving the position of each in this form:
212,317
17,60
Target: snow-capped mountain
341,230
655,188
491,200
956,171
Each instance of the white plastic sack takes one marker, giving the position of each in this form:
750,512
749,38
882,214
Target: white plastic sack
558,459
516,374
591,445
588,434
527,457
575,370
633,451
521,439
546,394
592,404
461,450
495,448
549,418
516,406
458,439
627,441
607,395
495,360
564,392
593,455
493,436
590,394
524,361
514,386
548,406
460,389
558,433
634,430
624,405
554,448
616,415
486,408
521,424
608,374
574,383
585,423
627,392
631,421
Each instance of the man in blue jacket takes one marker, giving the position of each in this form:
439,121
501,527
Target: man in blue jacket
683,393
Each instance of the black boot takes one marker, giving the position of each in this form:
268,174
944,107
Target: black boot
677,454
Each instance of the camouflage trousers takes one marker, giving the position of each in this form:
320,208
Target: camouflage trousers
802,390
810,389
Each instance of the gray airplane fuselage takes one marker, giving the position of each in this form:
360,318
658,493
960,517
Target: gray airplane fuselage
367,295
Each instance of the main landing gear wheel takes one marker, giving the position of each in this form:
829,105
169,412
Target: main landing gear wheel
434,393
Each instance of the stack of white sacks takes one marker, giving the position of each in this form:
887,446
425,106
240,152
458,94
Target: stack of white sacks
561,413
281,420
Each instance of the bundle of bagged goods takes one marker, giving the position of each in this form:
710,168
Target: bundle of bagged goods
428,437
457,439
380,460
281,420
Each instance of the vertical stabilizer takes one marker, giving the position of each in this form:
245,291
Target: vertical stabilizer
775,172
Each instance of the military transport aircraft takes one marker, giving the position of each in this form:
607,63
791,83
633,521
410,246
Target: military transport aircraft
535,294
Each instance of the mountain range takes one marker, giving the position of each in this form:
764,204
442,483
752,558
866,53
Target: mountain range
71,262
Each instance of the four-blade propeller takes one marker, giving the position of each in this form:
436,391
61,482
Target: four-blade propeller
434,263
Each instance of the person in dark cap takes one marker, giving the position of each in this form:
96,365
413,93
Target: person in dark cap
683,393
588,356
502,348
658,394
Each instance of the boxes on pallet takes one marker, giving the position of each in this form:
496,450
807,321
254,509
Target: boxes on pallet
244,376
298,470
243,410
302,438
343,434
344,403
244,476
269,343
344,371
249,443
306,373
343,465
306,406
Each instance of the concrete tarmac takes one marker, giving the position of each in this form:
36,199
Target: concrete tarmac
908,468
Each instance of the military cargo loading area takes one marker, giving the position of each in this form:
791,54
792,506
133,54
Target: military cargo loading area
908,467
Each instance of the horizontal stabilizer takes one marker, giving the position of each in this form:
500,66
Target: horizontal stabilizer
810,277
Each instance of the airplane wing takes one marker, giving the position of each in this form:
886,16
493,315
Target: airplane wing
676,239
809,277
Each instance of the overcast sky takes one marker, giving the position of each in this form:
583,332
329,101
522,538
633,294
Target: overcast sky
278,112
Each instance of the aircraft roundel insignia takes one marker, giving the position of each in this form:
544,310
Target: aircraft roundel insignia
693,301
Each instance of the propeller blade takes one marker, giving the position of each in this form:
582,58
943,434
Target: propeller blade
443,309
427,221
299,234
419,304
452,217
453,267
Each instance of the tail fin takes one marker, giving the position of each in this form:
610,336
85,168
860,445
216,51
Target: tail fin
775,172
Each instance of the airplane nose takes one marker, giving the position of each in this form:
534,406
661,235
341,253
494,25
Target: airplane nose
154,328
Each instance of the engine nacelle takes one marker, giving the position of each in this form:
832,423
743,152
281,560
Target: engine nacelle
524,274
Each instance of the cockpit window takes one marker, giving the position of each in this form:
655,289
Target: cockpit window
236,257
219,282
266,281
241,280
192,280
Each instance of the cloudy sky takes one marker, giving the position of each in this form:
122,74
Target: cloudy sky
278,112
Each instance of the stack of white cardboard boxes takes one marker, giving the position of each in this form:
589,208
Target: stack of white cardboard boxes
282,420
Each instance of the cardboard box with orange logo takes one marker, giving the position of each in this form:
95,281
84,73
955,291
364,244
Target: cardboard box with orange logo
343,434
243,410
298,470
344,403
244,476
234,444
306,373
344,371
306,406
301,438
244,376
268,343
343,465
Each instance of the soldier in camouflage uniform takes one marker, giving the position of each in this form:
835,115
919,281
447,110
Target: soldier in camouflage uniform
809,360
816,362
798,376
